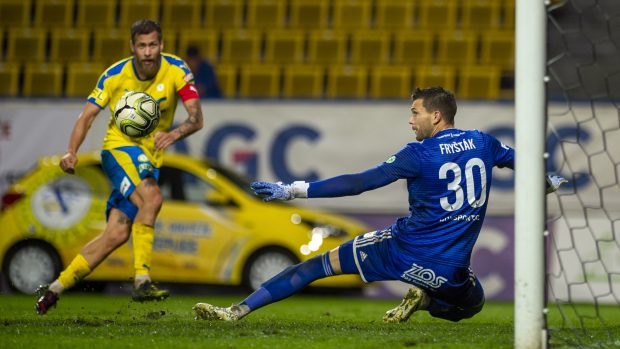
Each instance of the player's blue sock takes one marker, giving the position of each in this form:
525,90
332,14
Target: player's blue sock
289,281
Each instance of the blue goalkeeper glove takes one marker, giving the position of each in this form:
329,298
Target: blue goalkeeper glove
278,191
554,182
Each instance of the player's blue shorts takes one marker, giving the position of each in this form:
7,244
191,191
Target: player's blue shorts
126,167
377,257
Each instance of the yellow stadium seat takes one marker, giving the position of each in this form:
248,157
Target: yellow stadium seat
413,47
227,79
303,81
181,14
224,14
266,14
82,78
15,13
394,14
241,46
9,79
479,82
437,14
370,47
43,80
427,76
53,13
347,82
93,14
351,14
110,45
508,14
327,47
206,40
284,46
69,45
260,80
131,11
457,47
480,15
309,14
390,82
26,45
170,42
498,48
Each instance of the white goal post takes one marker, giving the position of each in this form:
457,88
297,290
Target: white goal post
530,127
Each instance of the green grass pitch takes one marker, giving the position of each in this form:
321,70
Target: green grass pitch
302,321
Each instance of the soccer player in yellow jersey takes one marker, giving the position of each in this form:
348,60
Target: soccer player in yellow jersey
132,165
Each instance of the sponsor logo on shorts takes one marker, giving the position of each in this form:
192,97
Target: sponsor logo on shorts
145,167
125,185
424,276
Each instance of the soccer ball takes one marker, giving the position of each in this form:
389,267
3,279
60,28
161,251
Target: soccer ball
136,114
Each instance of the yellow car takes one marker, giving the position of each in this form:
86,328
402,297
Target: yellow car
211,229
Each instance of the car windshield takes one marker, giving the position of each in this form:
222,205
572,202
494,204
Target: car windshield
237,179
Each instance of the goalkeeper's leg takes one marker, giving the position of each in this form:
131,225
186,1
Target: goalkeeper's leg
281,286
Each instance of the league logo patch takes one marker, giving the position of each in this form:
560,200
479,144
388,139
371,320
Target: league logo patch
143,158
188,77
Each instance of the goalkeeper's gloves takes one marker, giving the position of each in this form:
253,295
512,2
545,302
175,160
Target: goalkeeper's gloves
554,182
278,191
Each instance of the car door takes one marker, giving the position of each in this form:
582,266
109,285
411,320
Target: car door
195,239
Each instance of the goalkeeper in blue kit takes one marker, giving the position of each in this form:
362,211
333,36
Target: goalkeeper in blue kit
448,173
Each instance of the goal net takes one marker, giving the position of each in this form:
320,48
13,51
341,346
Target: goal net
583,144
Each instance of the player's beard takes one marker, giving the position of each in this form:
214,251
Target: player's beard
149,67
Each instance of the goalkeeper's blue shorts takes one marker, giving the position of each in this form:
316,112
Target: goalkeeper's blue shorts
126,167
376,257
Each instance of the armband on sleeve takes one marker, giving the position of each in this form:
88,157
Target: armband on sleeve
188,92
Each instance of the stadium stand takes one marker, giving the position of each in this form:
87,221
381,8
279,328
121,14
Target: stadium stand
266,14
413,47
394,14
351,14
385,36
390,82
43,80
15,13
309,14
69,45
181,14
227,79
82,78
224,14
241,46
260,80
9,79
206,40
347,81
53,13
303,81
26,45
481,82
435,75
131,11
327,47
284,46
96,14
370,47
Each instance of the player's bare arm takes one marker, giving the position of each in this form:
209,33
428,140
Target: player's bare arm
82,125
193,123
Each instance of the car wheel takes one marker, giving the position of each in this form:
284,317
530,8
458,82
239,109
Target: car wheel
29,265
265,264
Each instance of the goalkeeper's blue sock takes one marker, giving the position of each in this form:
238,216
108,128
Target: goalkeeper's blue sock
289,281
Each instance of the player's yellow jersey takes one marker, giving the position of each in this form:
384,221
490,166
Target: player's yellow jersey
121,77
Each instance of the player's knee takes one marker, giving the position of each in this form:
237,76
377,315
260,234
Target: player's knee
117,235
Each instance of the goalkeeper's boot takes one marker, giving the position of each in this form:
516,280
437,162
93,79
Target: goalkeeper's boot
148,292
415,299
206,311
46,299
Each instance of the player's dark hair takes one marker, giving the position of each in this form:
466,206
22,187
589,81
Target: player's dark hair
437,98
145,26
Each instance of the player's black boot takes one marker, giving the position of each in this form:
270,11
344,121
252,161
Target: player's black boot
46,300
